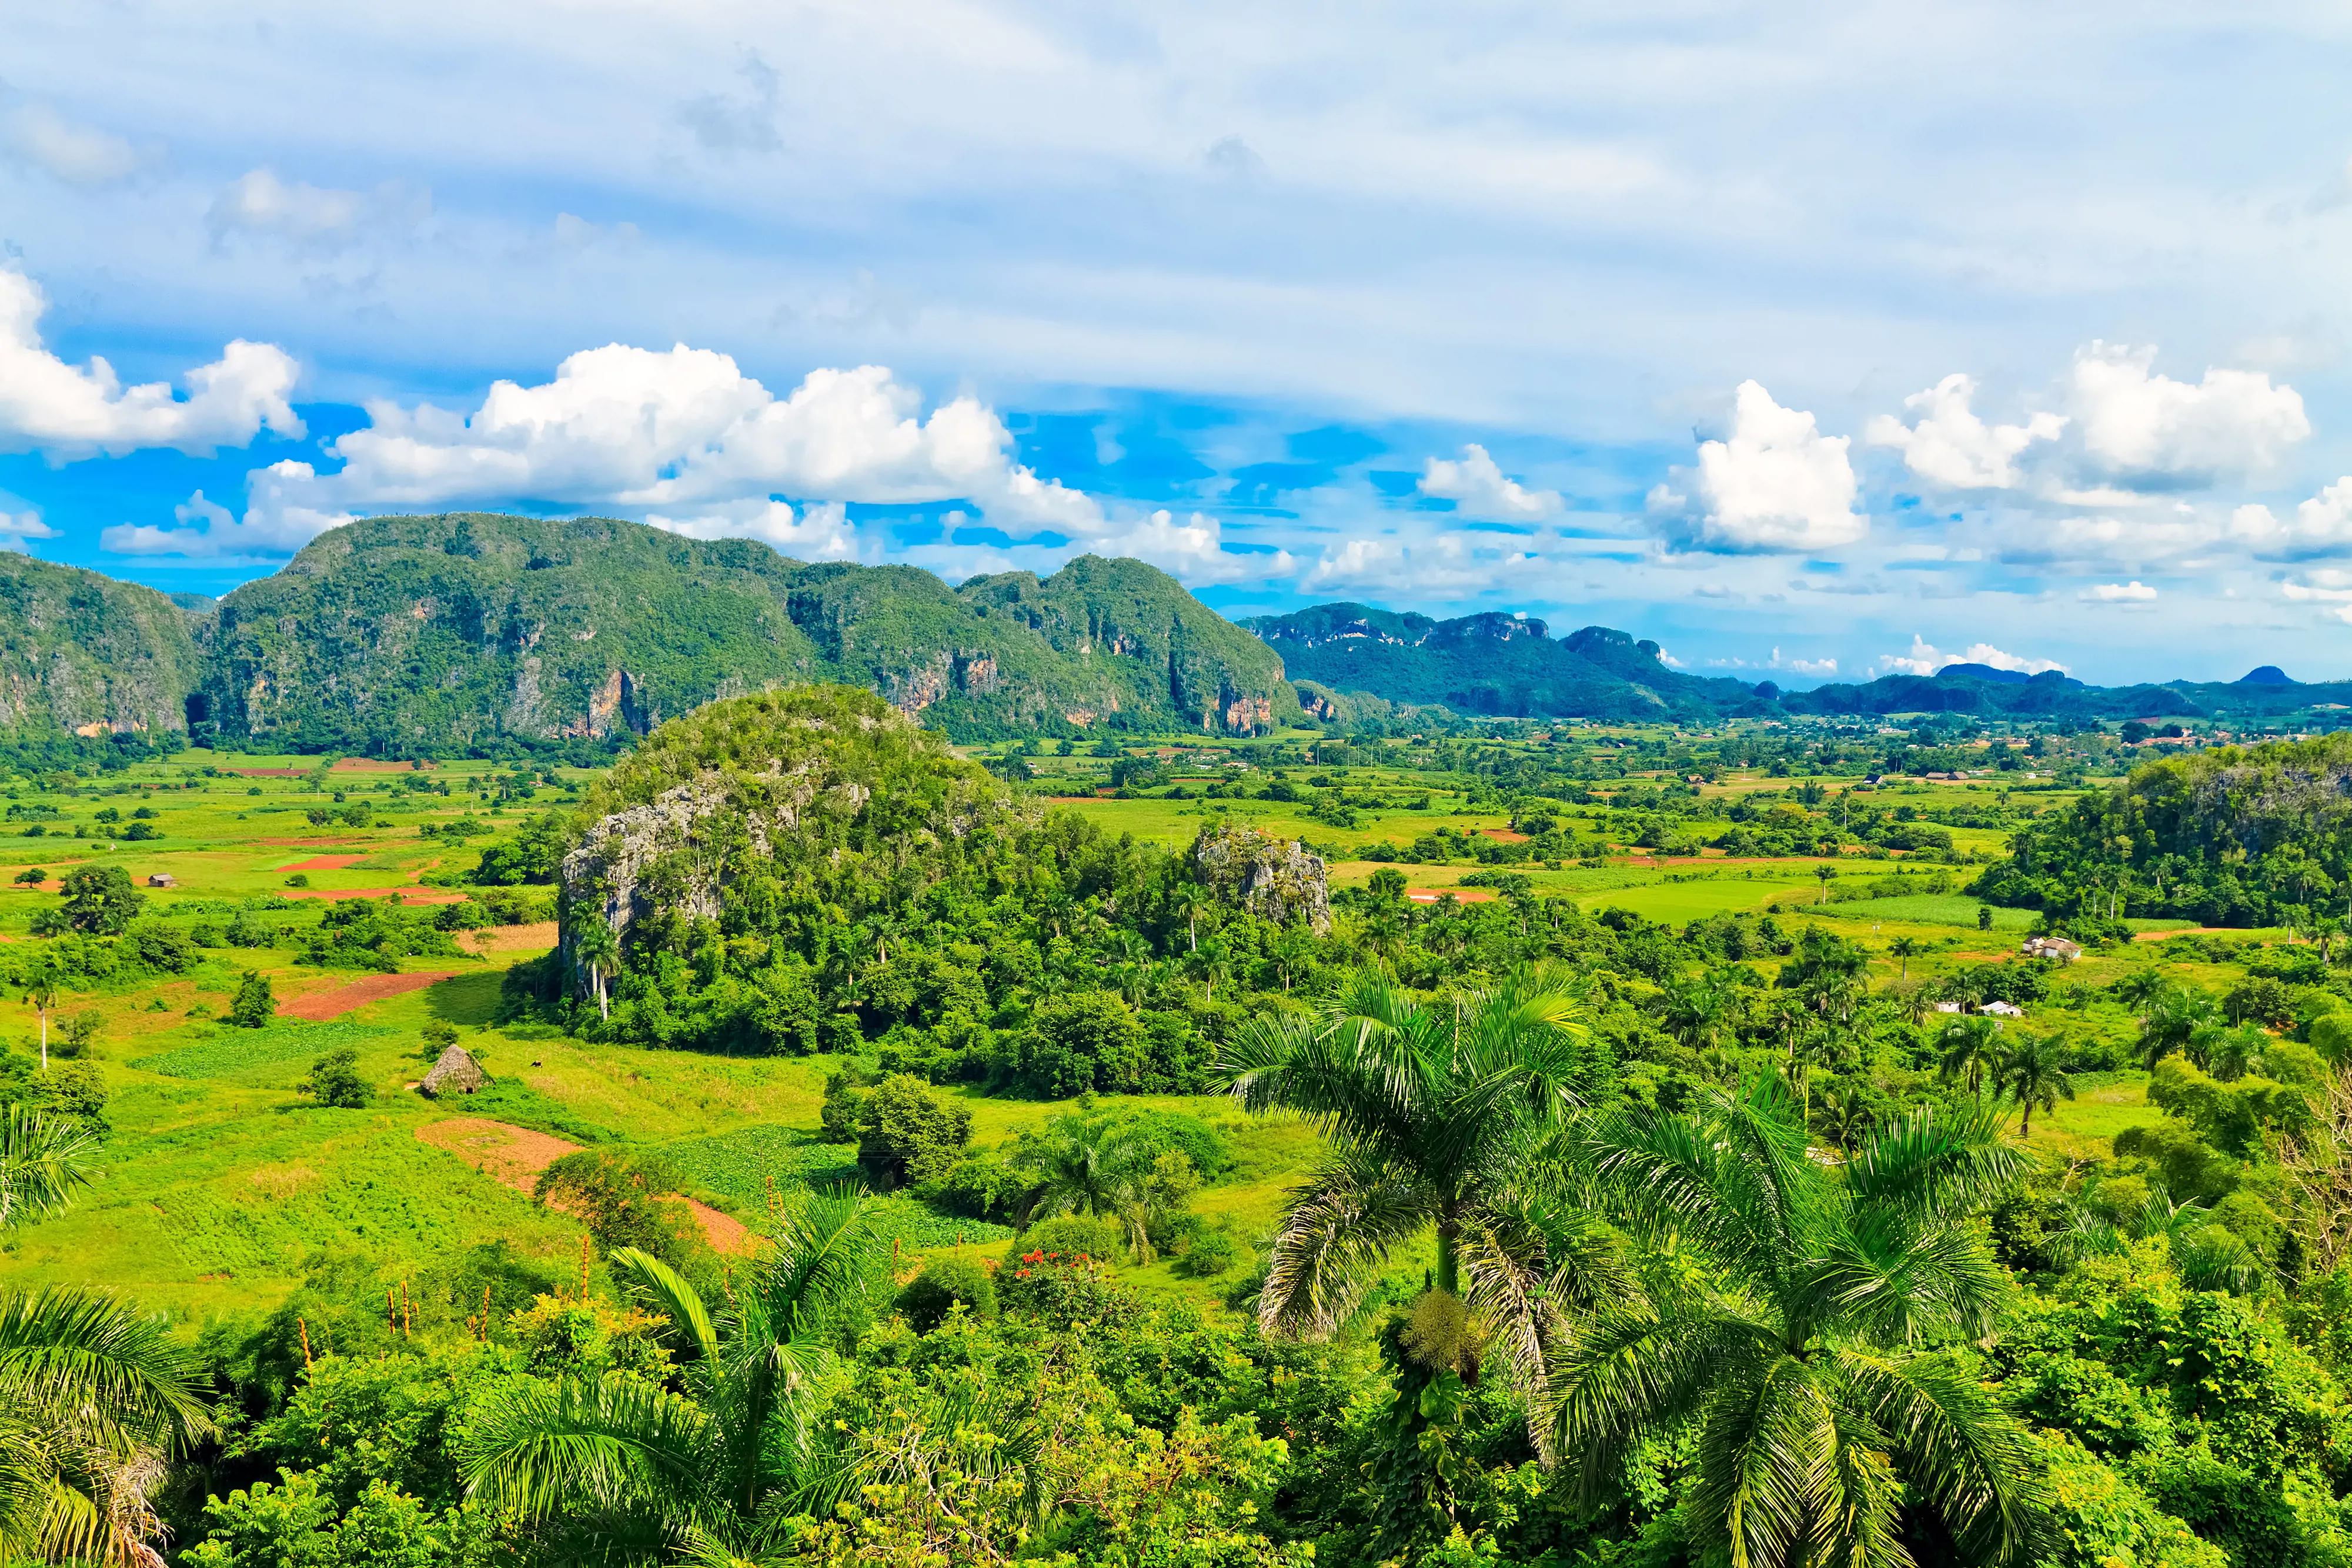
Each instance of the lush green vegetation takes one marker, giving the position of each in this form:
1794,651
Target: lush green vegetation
971,1175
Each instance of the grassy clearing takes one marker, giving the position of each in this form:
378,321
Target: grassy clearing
2085,1126
1928,909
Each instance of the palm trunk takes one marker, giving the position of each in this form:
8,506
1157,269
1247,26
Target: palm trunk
2025,1122
1449,1273
45,1040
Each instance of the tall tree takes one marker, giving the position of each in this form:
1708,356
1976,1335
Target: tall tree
2030,1072
1793,1318
1436,1117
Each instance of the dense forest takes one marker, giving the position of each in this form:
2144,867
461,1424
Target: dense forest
1628,1243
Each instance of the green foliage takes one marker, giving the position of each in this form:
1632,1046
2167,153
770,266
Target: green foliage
946,1283
253,1007
907,1135
335,1080
98,900
625,1200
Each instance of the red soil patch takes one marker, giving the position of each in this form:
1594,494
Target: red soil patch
2186,931
515,1155
324,863
1462,894
321,1005
1504,835
405,894
306,843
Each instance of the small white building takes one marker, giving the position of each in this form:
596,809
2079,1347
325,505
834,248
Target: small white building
2003,1009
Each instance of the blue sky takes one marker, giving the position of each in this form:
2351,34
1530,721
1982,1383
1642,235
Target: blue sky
1817,339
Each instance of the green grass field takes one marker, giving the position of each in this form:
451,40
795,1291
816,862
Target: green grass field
1928,909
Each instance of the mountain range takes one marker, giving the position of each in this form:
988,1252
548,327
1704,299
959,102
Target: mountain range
475,632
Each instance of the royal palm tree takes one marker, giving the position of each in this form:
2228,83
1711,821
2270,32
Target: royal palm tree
1904,949
2030,1072
2141,987
1968,1045
2176,1015
1095,1166
634,1468
600,951
1791,1317
42,985
1436,1115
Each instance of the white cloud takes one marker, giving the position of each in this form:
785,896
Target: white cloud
1951,445
2321,525
820,532
2327,587
38,136
1775,484
1446,566
725,123
1479,489
1925,659
2151,432
271,525
20,521
69,412
682,436
2134,591
313,217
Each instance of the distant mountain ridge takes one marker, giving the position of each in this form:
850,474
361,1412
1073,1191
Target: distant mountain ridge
478,631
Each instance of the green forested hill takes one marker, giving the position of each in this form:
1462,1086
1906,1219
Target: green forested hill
1493,664
82,652
463,631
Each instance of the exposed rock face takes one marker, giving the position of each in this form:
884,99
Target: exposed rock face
1274,880
675,850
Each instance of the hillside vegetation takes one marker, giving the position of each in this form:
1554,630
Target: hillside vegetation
2255,836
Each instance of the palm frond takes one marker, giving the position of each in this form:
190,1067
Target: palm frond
1357,1079
42,1160
1892,1280
2213,1258
85,1350
1338,1231
1939,1158
611,1444
657,1282
1963,1452
1634,1372
1758,1482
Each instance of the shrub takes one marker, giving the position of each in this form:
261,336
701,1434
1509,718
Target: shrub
1212,1252
907,1135
1071,1236
335,1080
624,1202
253,1007
943,1283
299,879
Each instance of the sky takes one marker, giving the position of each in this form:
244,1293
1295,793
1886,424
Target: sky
1814,342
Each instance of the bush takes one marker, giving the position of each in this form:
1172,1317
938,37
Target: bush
253,1007
1071,1236
907,1135
943,1283
1212,1252
335,1080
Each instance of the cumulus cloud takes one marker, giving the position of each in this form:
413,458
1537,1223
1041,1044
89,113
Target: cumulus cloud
1925,659
1775,484
2321,525
272,525
20,522
683,437
2134,591
1445,565
1824,666
69,412
260,205
818,532
2149,431
35,136
1479,489
1951,446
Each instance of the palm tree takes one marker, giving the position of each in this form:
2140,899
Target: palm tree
1825,871
2030,1071
1093,1166
1904,949
599,950
1970,1044
2176,1015
41,988
1435,1117
42,1160
1792,1317
94,1398
2141,987
633,1467
1188,898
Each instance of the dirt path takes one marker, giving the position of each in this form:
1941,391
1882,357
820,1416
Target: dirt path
515,1155
321,1005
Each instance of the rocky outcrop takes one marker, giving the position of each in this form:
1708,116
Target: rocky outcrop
1273,879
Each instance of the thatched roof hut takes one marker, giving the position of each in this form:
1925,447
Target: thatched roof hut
456,1073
